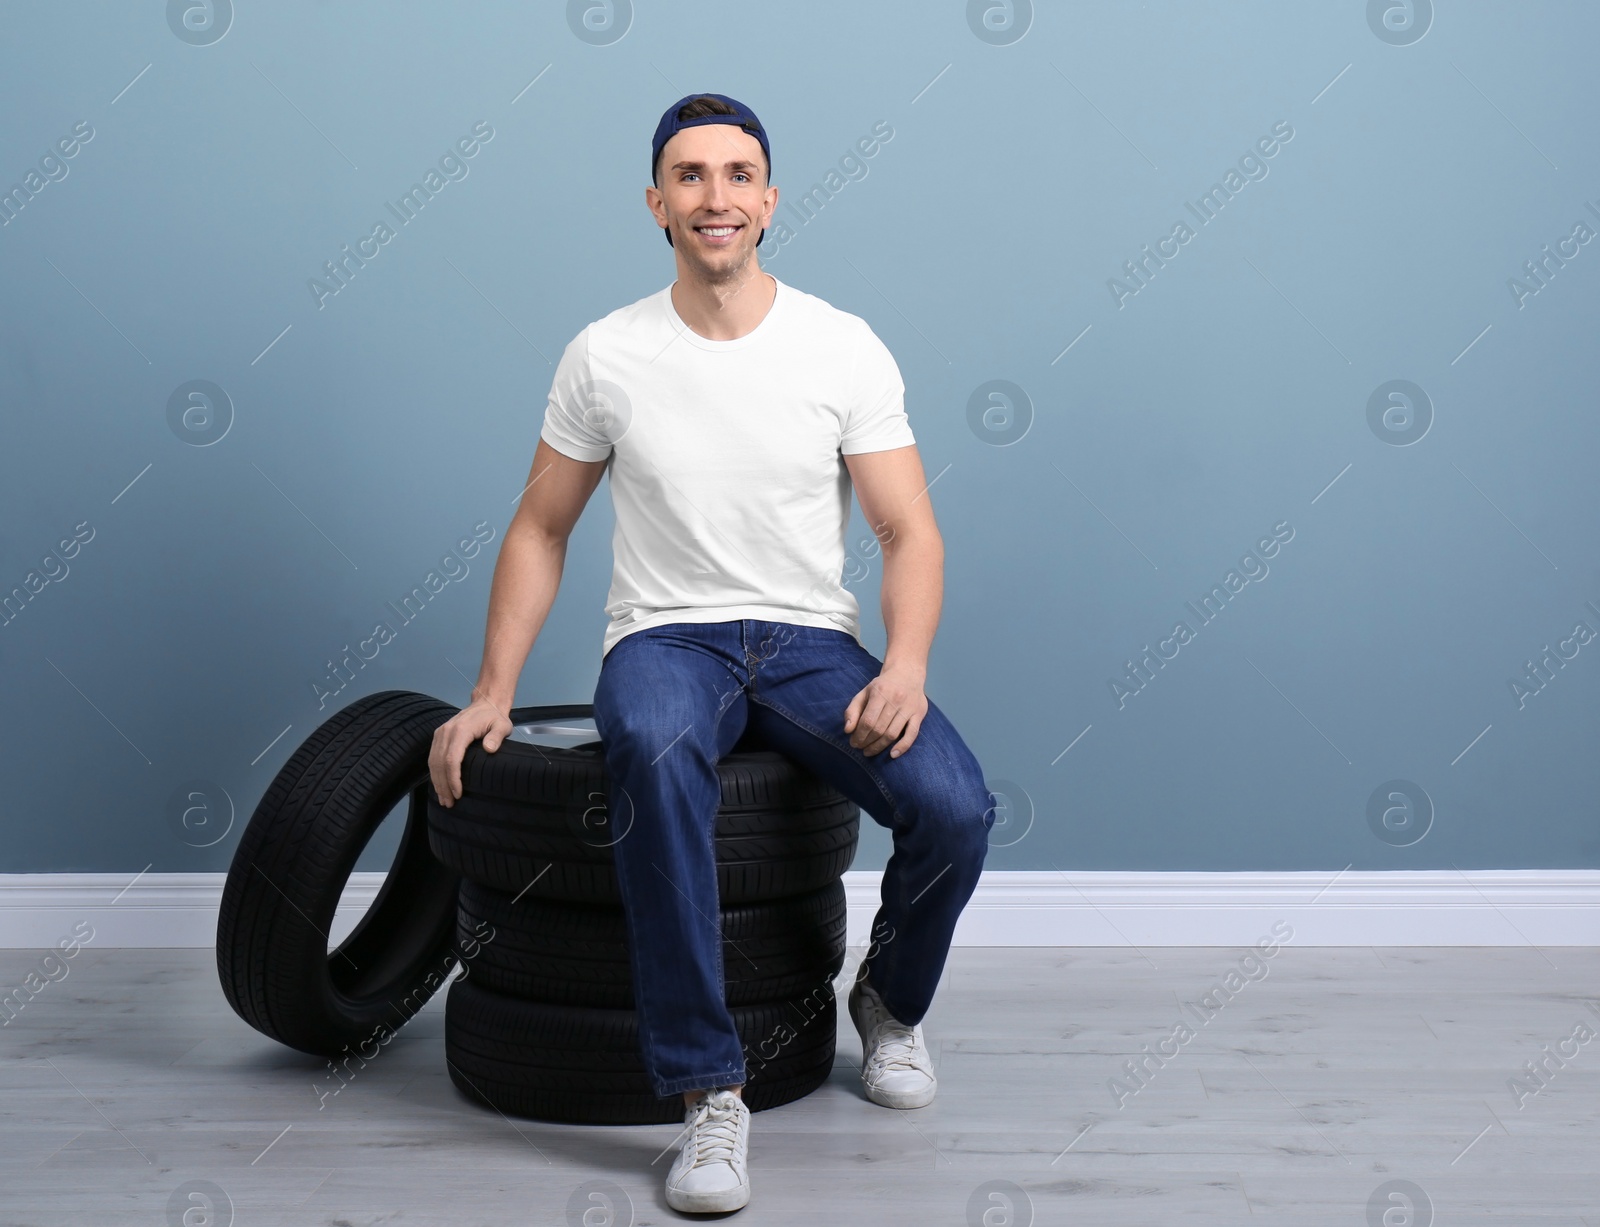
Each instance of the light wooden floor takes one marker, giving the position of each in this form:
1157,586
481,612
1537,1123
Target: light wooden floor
1341,1070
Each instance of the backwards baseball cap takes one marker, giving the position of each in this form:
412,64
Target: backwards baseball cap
743,118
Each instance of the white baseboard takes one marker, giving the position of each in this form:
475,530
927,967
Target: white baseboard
1486,907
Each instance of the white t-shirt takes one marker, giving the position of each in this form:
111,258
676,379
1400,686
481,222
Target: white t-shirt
726,457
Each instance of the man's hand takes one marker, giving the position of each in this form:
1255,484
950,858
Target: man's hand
450,742
891,705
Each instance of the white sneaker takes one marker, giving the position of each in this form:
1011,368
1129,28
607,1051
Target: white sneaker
709,1173
895,1067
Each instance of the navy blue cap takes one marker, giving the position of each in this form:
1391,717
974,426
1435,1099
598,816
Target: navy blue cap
670,124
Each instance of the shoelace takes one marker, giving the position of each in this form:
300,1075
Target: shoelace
714,1132
895,1047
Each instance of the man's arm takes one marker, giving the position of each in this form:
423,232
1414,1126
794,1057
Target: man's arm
526,577
893,494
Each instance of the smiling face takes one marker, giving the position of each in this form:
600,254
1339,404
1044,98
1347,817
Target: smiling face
714,199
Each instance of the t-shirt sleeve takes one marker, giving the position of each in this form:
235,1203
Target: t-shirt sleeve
876,419
569,424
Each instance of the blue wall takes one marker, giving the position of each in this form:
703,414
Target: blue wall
1109,446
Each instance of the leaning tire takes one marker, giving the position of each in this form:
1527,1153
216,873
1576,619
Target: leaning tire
583,1066
535,819
571,954
292,864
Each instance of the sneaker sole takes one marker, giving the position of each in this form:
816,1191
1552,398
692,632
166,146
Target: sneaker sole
900,1099
710,1201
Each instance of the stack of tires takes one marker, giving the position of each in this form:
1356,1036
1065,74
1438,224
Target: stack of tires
542,1022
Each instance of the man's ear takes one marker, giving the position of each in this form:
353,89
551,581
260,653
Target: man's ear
666,230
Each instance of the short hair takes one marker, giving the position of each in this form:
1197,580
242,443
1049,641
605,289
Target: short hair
697,108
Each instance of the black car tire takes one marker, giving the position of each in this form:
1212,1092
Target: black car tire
536,819
291,866
573,954
583,1066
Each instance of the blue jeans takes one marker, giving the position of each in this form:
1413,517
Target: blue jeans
670,703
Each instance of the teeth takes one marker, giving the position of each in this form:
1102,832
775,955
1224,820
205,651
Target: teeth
716,231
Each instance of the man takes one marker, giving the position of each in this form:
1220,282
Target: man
734,414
